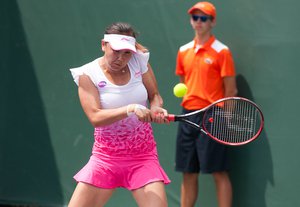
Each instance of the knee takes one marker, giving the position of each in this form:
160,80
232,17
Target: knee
221,176
190,178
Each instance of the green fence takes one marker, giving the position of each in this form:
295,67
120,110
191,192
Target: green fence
45,137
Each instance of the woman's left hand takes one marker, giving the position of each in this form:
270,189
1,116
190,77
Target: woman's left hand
159,115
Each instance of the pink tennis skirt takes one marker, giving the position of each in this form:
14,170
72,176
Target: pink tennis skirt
126,172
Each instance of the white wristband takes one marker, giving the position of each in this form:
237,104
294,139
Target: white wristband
129,113
136,107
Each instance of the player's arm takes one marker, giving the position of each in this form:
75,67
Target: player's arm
155,99
89,99
150,83
230,88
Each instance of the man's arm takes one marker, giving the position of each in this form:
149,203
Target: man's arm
230,88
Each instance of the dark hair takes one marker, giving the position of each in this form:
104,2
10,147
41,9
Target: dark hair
124,28
121,28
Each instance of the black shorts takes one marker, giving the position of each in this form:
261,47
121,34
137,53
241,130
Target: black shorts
196,152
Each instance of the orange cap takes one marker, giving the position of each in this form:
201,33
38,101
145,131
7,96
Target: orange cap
206,7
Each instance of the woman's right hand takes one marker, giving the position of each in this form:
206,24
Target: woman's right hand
143,114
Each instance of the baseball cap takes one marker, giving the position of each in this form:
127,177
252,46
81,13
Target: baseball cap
120,42
206,7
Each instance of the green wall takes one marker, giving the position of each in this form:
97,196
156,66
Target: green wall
45,137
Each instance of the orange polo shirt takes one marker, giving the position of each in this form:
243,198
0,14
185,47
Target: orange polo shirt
204,69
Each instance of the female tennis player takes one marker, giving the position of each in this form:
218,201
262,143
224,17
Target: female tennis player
119,95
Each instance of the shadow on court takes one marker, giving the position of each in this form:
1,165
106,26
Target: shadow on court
252,165
28,172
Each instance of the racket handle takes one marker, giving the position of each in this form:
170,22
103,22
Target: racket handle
171,117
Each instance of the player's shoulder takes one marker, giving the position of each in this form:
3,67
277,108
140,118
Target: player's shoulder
187,46
218,46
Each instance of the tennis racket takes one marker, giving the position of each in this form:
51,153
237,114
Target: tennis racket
231,121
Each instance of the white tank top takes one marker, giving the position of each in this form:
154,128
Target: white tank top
128,136
114,96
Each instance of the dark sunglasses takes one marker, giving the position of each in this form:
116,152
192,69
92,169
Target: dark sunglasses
202,18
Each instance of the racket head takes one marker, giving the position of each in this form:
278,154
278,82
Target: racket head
233,121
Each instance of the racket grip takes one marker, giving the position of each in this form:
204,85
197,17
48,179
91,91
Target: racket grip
171,117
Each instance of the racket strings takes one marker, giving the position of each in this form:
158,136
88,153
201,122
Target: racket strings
233,121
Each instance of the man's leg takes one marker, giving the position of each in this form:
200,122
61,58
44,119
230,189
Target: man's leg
189,189
223,188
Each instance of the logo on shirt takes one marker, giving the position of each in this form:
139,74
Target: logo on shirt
102,84
208,61
137,74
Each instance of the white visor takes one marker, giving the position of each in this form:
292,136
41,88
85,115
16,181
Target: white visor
120,42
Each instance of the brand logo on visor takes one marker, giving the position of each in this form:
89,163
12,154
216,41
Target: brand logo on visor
126,39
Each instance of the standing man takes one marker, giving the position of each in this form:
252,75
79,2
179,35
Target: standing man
206,66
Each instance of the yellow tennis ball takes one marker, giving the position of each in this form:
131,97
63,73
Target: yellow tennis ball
180,90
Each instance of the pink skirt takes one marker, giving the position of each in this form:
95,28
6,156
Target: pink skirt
126,172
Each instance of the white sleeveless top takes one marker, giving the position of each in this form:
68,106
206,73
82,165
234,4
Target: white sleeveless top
114,96
127,136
